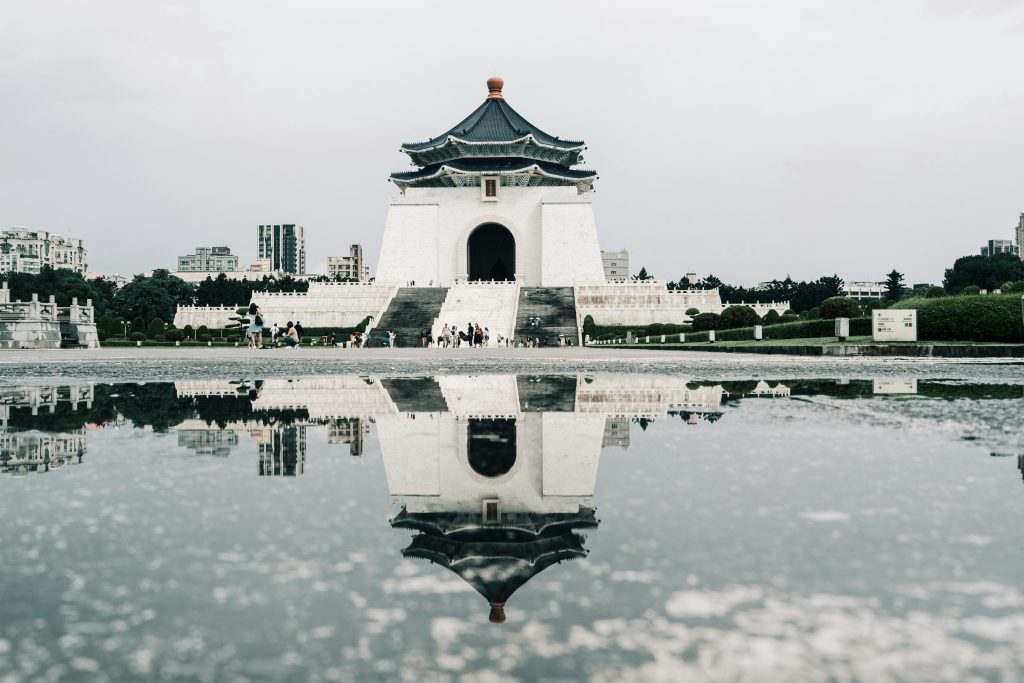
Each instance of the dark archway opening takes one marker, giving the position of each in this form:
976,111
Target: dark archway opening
492,446
492,253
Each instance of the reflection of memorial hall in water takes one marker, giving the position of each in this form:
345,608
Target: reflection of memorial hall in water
494,474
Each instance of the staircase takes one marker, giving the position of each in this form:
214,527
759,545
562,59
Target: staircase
411,311
556,309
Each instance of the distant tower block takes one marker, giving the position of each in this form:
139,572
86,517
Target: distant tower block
493,198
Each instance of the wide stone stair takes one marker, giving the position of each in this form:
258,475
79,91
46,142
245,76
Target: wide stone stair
411,311
547,312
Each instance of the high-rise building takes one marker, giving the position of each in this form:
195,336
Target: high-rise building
1020,237
616,265
28,251
210,259
283,246
352,267
1000,247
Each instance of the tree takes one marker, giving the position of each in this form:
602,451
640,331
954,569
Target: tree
642,275
153,297
155,328
772,317
839,307
705,321
139,325
935,292
894,286
738,316
985,272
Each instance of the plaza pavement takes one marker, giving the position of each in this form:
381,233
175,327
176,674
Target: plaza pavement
170,363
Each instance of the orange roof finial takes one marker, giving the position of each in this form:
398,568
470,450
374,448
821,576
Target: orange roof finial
494,86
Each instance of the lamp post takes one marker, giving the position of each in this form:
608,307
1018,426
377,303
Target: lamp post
125,324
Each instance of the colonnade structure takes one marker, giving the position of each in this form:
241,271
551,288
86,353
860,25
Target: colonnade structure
494,225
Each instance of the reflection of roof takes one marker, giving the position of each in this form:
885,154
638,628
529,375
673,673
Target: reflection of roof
496,559
457,523
497,569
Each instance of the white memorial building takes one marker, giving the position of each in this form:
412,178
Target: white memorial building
494,198
494,226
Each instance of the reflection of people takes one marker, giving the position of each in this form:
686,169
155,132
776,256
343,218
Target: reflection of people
256,390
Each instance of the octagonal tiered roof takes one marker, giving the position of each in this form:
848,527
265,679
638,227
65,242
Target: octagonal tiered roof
495,140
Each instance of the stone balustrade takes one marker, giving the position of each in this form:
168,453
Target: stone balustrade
39,324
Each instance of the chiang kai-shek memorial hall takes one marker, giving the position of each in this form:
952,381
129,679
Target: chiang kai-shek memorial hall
494,198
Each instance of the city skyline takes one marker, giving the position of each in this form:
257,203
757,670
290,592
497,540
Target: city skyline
778,140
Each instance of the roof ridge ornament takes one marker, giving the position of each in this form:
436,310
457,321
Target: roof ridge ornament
494,86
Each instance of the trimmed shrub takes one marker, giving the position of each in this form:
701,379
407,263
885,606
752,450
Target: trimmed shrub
970,290
813,313
1015,288
619,331
137,336
692,311
589,327
188,332
706,321
174,336
234,338
155,329
994,318
205,337
839,307
935,292
772,317
203,329
789,318
738,316
138,325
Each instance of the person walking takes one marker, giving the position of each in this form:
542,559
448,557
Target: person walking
444,335
298,330
487,336
478,336
424,336
255,325
469,333
274,331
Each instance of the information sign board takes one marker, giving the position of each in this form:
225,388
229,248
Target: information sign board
889,325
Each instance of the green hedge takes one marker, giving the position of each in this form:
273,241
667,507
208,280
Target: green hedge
990,318
805,329
620,331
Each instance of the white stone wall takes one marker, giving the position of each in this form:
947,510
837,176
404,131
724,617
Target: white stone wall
427,230
211,316
326,304
651,301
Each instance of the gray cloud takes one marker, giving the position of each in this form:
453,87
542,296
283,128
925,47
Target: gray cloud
746,139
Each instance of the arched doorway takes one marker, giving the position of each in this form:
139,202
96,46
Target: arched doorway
492,446
492,253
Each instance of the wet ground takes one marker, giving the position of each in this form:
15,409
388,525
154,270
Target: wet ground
511,519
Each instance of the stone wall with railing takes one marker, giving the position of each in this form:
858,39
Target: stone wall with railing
36,324
650,302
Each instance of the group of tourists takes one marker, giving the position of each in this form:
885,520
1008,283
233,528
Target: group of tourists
291,334
473,336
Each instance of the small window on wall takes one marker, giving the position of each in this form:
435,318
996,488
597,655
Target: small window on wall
491,511
489,189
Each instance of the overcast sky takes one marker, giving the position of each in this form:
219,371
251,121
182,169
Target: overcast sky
746,139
